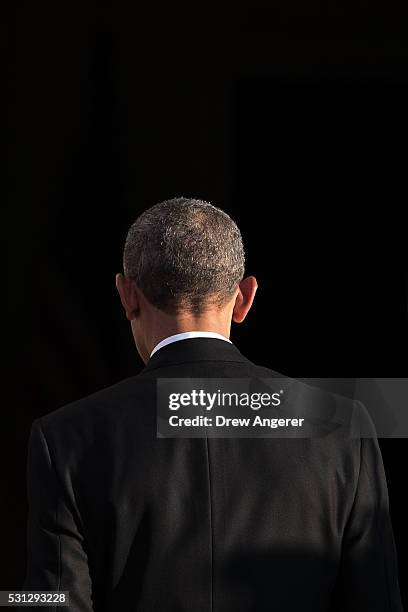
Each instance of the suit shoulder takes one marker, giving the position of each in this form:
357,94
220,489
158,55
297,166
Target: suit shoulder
265,372
327,413
101,403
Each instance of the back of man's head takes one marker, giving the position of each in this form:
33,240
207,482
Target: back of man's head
184,254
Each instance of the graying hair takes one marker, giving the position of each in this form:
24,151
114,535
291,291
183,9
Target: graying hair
184,254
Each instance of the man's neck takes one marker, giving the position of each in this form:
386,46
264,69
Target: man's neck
188,335
162,334
218,322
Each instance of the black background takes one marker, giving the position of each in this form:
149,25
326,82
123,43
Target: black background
291,118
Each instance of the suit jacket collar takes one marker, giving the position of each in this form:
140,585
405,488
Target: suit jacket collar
194,349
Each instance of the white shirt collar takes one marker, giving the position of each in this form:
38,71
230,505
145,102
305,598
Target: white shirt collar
189,334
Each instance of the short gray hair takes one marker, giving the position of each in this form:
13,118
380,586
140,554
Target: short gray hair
184,254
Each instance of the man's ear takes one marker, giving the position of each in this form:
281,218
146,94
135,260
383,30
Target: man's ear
128,295
245,297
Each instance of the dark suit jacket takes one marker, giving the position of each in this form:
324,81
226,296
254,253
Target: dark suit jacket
125,520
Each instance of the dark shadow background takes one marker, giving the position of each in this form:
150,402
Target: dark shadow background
293,119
